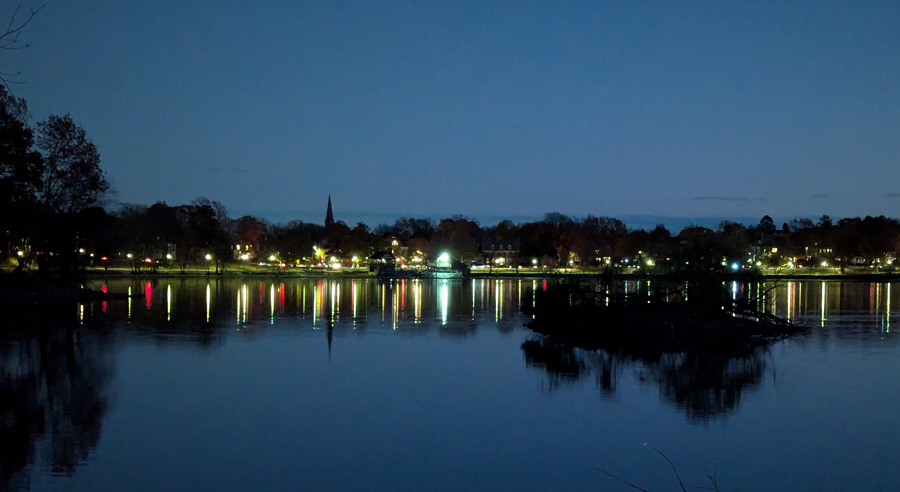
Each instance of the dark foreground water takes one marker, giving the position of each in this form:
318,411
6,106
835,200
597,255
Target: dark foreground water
364,385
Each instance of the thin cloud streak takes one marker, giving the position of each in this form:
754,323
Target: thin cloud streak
726,199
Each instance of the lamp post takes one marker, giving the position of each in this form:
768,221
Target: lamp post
208,258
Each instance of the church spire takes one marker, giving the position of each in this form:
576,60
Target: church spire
329,215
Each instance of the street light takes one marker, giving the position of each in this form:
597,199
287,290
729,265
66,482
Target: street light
208,257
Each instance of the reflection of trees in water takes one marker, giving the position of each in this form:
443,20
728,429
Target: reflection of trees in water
704,385
53,382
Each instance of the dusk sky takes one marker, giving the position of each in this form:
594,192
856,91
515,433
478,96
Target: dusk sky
484,108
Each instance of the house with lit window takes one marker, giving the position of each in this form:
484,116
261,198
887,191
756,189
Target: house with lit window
500,253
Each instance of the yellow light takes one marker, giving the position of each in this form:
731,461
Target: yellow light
354,259
168,256
336,266
81,251
649,262
20,253
824,263
208,256
272,258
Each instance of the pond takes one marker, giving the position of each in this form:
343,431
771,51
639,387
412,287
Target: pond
409,385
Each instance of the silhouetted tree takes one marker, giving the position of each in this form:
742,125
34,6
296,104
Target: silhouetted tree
19,166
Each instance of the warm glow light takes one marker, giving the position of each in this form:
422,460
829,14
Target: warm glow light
272,258
336,266
824,263
168,256
354,259
20,253
649,262
148,260
208,256
129,255
81,251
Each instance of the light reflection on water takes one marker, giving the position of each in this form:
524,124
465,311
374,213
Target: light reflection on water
454,400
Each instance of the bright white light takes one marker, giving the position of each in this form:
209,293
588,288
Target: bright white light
534,261
336,266
649,262
208,256
129,255
443,258
824,263
168,256
354,259
272,258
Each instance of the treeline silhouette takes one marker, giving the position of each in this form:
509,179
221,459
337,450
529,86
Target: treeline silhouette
201,232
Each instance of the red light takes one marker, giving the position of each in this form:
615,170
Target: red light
104,258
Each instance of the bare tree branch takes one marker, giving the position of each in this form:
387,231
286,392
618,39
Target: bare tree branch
677,476
10,38
13,30
626,482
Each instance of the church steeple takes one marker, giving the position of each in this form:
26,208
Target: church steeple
329,215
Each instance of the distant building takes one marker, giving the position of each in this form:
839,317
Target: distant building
500,253
329,215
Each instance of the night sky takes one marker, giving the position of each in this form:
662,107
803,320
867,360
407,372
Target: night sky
484,108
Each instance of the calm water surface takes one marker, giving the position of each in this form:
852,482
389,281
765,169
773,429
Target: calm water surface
318,384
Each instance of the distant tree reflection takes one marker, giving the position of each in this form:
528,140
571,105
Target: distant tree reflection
704,385
54,377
